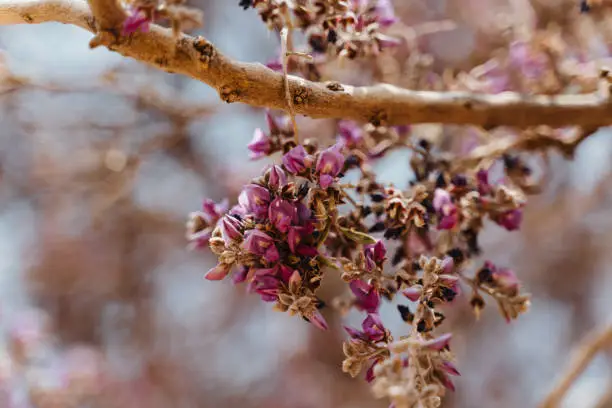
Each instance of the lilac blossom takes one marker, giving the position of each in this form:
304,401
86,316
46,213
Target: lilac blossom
282,214
510,220
277,178
261,145
255,200
295,160
374,255
446,209
136,21
366,295
329,165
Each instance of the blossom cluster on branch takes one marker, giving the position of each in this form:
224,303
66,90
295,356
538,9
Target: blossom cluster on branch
299,221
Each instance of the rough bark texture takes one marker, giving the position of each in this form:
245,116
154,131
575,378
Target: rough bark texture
256,85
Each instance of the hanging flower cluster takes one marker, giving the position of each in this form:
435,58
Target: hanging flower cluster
287,231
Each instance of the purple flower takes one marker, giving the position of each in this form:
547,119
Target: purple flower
374,255
369,376
450,368
385,13
349,133
531,64
258,242
271,255
136,20
413,293
295,160
482,179
447,211
264,284
446,382
281,214
367,297
218,272
277,178
284,273
510,220
260,145
503,278
318,320
296,234
372,329
329,165
255,199
241,275
212,211
306,250
230,229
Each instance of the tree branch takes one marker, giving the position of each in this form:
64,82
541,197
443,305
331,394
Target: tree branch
592,344
256,85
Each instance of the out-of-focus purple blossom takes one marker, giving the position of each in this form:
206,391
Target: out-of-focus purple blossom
212,210
447,211
329,165
255,200
202,223
531,64
282,214
504,278
402,130
367,298
318,320
260,145
275,64
136,20
448,265
446,382
385,13
369,376
495,76
413,293
450,368
295,160
482,180
219,272
510,220
374,255
350,134
230,229
277,178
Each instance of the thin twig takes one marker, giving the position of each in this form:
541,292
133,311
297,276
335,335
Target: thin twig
592,344
285,33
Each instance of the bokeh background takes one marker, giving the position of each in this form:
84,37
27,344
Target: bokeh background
102,158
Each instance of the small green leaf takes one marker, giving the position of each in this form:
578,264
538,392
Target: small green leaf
359,237
329,262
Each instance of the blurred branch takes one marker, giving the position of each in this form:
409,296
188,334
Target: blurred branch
257,85
593,343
